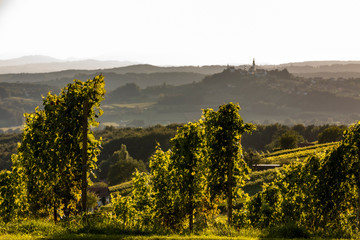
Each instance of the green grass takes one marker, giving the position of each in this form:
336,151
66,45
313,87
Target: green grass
46,229
18,236
127,237
153,237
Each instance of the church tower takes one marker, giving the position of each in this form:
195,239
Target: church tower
254,66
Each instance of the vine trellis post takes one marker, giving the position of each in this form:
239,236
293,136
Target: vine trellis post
84,158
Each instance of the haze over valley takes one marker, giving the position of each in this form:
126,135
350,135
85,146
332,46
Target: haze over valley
144,95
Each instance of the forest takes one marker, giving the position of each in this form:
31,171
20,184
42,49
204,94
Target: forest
202,179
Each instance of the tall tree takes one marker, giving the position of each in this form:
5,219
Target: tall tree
166,196
187,161
121,166
49,159
227,169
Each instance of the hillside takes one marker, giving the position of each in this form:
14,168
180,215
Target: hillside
44,64
278,97
145,95
72,73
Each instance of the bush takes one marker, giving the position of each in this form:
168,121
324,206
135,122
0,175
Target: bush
290,139
331,134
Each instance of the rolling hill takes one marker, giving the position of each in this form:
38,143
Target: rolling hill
143,95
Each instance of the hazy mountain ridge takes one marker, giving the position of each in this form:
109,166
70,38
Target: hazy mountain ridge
44,64
34,59
133,69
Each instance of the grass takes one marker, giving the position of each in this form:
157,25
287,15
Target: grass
46,229
153,237
127,237
18,236
121,237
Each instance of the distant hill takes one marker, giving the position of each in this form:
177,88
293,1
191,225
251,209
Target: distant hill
136,69
44,64
325,69
143,95
317,63
275,97
55,68
27,60
142,75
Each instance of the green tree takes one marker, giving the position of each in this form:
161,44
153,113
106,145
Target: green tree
331,134
166,196
49,160
187,162
92,200
227,169
290,139
120,167
136,211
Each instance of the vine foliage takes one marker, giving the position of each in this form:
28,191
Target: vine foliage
48,165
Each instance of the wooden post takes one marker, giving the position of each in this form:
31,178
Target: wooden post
358,188
55,214
229,190
191,197
358,211
84,158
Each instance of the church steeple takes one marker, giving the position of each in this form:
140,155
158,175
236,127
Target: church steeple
254,66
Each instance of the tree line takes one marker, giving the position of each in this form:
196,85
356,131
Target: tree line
129,148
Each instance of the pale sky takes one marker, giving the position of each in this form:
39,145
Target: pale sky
182,32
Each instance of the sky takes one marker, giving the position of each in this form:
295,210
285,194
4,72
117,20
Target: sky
182,32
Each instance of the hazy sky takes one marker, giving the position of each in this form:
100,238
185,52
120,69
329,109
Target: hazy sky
182,32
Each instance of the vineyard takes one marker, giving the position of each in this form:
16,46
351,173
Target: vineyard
296,154
201,184
258,178
122,188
